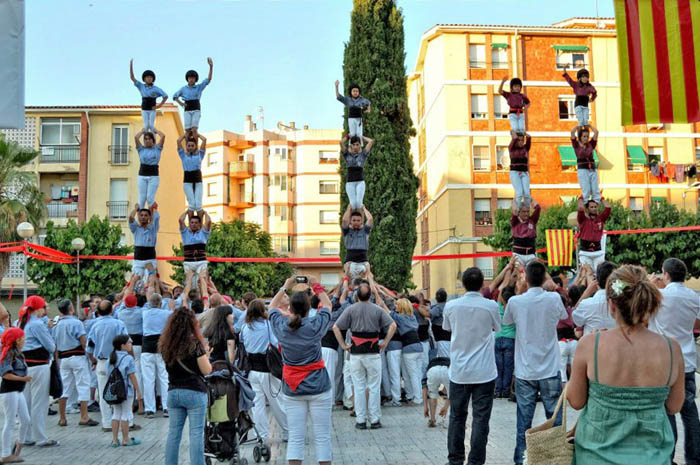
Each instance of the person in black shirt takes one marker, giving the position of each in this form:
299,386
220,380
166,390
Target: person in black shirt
13,370
355,158
219,333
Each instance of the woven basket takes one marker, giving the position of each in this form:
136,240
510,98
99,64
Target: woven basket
547,444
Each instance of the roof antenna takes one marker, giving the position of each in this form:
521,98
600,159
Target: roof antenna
598,23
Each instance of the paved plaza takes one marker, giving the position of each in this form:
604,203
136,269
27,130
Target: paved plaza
405,439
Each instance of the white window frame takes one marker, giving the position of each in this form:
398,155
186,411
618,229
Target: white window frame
209,188
328,156
697,155
567,57
119,153
504,204
484,206
61,123
477,56
637,204
327,183
486,268
487,159
281,212
324,250
502,158
496,61
479,106
280,152
657,152
280,180
283,243
570,103
333,213
500,107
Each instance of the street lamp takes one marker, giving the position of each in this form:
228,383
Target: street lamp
25,231
78,244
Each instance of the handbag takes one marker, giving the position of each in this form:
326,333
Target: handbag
547,444
273,357
55,384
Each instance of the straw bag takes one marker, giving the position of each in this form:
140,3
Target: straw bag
547,444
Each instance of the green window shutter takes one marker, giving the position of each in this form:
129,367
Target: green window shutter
494,45
567,154
571,48
636,155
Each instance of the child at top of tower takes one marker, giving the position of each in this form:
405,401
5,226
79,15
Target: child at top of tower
357,105
517,102
149,95
191,93
584,91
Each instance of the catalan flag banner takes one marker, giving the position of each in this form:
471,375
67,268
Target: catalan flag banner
560,247
658,45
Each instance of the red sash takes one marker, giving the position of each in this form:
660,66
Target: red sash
358,341
295,375
517,111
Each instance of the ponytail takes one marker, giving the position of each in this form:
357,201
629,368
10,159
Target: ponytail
24,314
295,322
299,305
117,344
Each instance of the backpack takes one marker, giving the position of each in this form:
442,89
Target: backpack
273,357
115,391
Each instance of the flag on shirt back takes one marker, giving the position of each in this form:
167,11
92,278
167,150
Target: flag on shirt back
560,247
658,45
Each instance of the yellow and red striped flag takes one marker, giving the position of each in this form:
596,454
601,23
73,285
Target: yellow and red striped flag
658,45
560,247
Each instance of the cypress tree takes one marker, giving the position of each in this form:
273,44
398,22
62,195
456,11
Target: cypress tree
374,60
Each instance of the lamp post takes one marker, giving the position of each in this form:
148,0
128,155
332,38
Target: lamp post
78,244
25,231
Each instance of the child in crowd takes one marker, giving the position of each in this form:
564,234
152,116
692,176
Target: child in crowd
13,370
519,151
584,92
121,359
517,102
356,104
149,94
149,154
436,376
584,146
355,158
191,164
191,93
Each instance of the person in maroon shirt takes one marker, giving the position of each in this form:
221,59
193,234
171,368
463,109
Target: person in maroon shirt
584,92
517,103
584,145
590,225
519,150
524,227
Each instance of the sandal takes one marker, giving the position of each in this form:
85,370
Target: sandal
49,443
17,448
62,423
115,444
90,422
133,442
12,459
432,424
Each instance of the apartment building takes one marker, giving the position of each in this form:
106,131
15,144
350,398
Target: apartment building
88,165
460,150
286,180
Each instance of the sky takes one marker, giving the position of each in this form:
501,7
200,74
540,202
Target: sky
282,55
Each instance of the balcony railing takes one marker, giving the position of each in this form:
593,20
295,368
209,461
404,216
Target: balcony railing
119,154
118,210
241,169
477,64
59,154
62,210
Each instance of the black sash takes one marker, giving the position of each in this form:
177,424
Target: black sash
193,176
590,246
356,256
354,112
329,341
355,174
136,339
150,344
524,245
147,103
148,170
192,105
518,164
581,101
440,334
19,368
71,352
369,347
409,338
36,357
423,333
195,252
144,253
258,362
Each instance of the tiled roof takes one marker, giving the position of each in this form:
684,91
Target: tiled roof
88,107
519,26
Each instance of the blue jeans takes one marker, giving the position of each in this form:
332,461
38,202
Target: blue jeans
691,423
193,194
183,403
482,403
582,114
149,120
526,395
588,180
521,185
505,353
517,121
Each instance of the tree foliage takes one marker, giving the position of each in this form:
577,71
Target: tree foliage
240,239
374,59
57,280
646,249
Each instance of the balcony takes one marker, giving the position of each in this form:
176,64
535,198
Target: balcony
62,210
118,210
243,201
119,155
241,169
59,154
240,144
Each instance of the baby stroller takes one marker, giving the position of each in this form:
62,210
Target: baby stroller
230,399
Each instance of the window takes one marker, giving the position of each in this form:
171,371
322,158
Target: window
327,156
500,107
499,58
505,204
502,157
485,264
283,243
212,158
482,211
697,155
479,107
118,204
329,280
328,187
60,131
120,145
328,217
481,157
281,152
280,211
566,108
636,204
211,189
655,154
477,56
575,59
330,247
280,180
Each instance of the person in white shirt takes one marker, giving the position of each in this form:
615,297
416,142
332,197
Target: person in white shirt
592,312
678,316
535,315
472,320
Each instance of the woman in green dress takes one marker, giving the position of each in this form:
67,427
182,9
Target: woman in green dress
627,380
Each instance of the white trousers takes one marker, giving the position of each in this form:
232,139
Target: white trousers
123,411
36,394
567,349
196,267
137,361
192,118
105,408
318,407
75,376
267,388
592,259
15,406
348,397
437,376
367,375
154,375
393,365
193,194
356,193
413,362
330,358
149,120
93,374
524,259
355,128
426,356
147,187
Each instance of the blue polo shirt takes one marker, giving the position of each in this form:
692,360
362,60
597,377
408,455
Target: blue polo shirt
101,335
154,320
191,161
192,93
36,336
146,236
68,332
150,156
150,91
132,318
255,336
404,324
190,238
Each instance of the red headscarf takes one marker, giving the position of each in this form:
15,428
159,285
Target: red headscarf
32,304
8,339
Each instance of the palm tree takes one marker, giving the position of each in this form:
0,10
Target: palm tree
20,197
